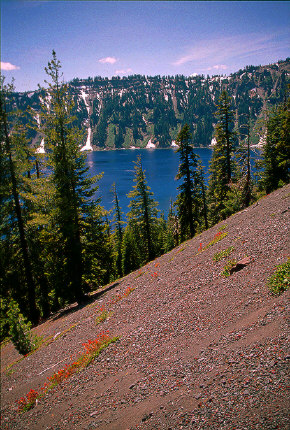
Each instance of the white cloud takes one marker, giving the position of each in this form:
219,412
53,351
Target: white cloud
123,71
109,60
222,50
218,67
8,66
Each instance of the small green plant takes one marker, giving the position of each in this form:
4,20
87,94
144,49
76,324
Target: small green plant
223,254
140,273
20,330
102,317
280,280
178,251
223,227
217,237
227,269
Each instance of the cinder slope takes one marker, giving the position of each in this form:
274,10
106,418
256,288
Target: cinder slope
196,350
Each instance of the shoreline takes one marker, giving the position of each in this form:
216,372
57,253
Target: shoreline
139,148
252,147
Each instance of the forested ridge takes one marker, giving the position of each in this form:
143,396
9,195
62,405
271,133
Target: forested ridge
57,243
133,110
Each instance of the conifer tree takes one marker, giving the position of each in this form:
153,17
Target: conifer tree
13,143
202,193
276,152
118,233
187,199
224,134
170,240
132,257
97,247
143,214
246,179
74,189
221,164
41,234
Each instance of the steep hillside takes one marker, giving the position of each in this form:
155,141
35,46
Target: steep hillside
139,110
196,350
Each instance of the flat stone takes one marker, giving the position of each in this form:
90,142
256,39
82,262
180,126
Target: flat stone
241,264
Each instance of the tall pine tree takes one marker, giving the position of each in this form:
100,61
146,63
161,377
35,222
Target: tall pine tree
13,157
74,189
119,231
245,163
276,152
143,214
188,199
221,164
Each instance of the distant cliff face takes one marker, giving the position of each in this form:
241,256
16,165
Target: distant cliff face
135,110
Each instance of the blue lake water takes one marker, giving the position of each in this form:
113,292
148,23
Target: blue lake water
160,165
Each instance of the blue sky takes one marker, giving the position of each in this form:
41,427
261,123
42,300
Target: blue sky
107,38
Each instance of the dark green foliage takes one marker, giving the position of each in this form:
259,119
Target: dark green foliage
163,119
97,249
190,197
84,246
132,257
14,159
201,208
276,152
142,216
68,166
170,231
225,135
245,180
118,233
51,226
221,164
154,107
20,330
56,241
100,136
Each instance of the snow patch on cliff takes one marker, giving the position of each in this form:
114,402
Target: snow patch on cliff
88,146
40,149
84,96
150,144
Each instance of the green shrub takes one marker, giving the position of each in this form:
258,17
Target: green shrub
280,280
218,236
227,269
20,330
223,227
102,317
4,326
223,254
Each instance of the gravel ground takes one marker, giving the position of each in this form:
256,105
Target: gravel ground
196,350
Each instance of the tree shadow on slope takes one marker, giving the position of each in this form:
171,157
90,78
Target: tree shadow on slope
74,307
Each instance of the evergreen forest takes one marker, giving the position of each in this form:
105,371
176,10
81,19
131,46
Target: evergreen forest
57,242
134,110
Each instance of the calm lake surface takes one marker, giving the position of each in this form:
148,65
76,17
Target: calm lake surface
160,165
